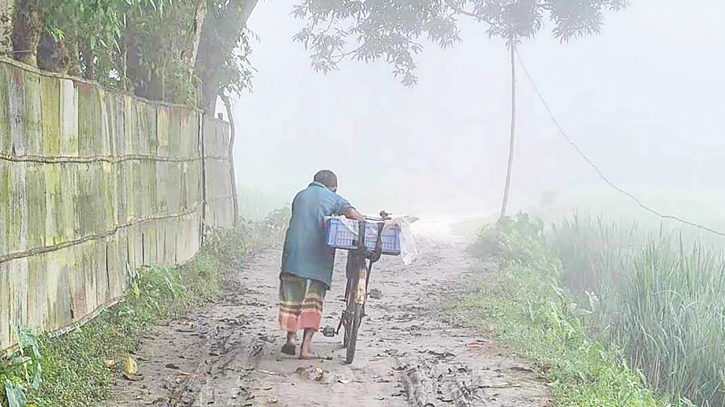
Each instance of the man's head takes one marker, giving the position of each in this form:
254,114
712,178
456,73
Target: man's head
327,178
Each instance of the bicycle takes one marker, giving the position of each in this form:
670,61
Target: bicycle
356,291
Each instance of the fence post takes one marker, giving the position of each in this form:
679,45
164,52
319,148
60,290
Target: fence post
203,176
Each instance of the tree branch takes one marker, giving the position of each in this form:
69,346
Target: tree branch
344,55
467,13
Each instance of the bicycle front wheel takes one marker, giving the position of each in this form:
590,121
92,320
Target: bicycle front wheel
355,317
349,310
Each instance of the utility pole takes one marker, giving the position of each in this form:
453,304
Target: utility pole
513,129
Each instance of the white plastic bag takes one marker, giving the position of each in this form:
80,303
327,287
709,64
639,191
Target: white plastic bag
408,249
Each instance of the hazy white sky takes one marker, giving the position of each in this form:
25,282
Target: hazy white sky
645,100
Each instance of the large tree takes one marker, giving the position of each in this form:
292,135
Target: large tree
391,30
183,51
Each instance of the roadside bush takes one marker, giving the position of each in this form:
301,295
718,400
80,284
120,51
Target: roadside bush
516,240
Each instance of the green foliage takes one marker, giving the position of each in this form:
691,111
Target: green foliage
160,47
232,245
28,356
22,370
157,43
150,47
661,302
512,240
536,316
15,394
390,29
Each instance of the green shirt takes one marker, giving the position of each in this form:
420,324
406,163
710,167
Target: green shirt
306,253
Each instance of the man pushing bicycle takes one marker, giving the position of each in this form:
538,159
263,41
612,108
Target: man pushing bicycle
307,260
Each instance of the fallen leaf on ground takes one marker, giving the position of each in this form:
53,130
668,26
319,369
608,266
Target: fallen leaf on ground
110,363
130,366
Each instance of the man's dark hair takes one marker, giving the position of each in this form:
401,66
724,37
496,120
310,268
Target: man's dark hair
326,178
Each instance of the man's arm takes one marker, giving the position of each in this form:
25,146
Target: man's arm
353,214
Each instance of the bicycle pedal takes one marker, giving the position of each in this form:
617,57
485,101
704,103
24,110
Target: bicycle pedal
329,332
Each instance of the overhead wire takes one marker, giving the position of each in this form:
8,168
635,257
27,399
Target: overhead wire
599,172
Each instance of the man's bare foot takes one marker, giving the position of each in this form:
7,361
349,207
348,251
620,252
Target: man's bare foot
288,349
306,352
309,356
290,345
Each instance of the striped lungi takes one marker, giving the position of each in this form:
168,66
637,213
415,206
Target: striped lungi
300,303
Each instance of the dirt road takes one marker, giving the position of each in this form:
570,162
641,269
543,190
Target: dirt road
228,354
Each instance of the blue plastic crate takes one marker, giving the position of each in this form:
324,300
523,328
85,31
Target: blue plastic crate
340,236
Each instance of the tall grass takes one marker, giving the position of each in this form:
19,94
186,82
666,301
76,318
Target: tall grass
522,300
662,302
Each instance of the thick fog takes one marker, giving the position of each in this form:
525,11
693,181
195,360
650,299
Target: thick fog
645,100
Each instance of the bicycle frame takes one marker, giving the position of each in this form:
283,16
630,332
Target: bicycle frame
357,265
362,286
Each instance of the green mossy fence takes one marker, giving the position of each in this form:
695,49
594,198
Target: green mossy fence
93,185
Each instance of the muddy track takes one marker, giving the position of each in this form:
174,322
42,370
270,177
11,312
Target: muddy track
408,355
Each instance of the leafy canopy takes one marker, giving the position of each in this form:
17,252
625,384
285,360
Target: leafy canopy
391,30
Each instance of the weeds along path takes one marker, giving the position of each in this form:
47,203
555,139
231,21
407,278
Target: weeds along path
228,354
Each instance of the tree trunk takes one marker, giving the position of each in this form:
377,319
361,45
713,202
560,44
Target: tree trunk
28,26
232,173
124,56
59,56
7,13
89,60
209,95
199,19
213,51
513,131
50,53
72,56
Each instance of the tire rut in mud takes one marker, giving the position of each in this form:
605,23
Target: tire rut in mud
430,385
221,379
207,359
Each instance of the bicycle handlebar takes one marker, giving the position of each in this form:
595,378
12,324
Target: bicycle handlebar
383,217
